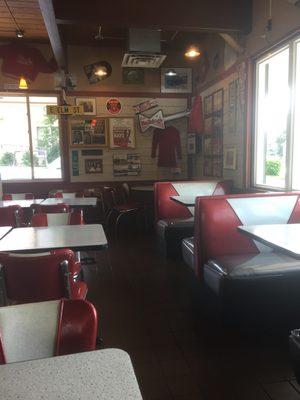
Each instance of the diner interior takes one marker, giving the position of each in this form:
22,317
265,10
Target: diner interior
150,200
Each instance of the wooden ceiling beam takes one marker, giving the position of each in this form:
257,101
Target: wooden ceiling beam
47,10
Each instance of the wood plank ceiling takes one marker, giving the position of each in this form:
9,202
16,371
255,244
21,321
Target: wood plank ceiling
23,14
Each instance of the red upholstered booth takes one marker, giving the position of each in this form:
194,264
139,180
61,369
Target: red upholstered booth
18,196
47,329
11,216
50,209
46,276
225,258
57,219
175,221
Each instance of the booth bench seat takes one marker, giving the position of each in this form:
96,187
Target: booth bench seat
175,221
188,252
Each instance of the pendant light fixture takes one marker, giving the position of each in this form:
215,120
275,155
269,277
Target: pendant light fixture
192,52
171,72
23,83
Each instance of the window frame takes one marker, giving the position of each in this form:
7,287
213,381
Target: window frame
61,145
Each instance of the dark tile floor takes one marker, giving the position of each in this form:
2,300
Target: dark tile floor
146,308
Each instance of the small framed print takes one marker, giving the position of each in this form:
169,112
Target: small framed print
179,82
88,132
230,157
121,133
191,143
93,166
89,105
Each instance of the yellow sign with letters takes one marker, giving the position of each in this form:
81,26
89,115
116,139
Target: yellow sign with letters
64,110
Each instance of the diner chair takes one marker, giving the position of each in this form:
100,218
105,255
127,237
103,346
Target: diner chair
18,196
47,329
11,216
50,208
27,278
175,221
57,219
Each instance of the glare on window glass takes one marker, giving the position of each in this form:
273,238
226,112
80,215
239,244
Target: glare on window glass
14,139
45,139
296,130
271,120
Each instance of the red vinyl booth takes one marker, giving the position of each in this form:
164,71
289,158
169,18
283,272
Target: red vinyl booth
11,216
28,278
47,329
223,258
56,219
50,209
18,196
175,221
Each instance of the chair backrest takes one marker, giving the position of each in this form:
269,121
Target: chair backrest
11,216
166,208
109,197
217,219
46,329
37,277
67,195
57,219
50,209
18,196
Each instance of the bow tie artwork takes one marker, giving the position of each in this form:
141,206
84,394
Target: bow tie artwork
158,120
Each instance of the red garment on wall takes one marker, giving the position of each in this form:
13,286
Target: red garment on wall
168,142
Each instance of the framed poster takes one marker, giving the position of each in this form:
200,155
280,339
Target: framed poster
230,157
191,143
89,105
217,167
133,76
122,133
179,82
126,164
232,100
207,146
217,145
88,132
208,109
217,112
93,166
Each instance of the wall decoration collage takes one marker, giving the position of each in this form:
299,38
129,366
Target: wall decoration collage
213,134
89,134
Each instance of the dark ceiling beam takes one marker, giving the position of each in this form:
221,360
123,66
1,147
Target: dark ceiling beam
192,15
47,10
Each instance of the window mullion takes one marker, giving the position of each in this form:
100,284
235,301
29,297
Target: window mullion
30,136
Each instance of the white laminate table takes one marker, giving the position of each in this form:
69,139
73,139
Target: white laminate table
74,237
4,230
146,188
185,200
99,375
22,203
283,237
73,202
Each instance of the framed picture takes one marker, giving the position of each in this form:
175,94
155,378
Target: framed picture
93,166
88,132
217,166
208,112
207,146
133,76
122,133
191,143
232,99
179,82
207,167
126,164
230,157
89,105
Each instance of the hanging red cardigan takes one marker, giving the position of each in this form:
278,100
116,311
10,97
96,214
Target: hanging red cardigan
168,142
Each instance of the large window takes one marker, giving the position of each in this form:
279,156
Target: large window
30,139
277,120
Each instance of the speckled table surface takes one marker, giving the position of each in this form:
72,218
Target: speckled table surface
104,374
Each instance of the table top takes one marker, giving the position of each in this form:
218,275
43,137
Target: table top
146,188
103,375
185,200
75,237
283,237
4,230
73,202
21,203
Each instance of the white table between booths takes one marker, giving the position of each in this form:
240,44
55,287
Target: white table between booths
4,230
73,202
22,203
75,237
282,237
99,375
188,201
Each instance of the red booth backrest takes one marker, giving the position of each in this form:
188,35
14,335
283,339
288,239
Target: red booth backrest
10,216
165,208
217,219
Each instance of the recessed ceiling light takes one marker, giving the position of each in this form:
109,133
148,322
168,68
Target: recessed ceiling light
20,33
101,72
192,52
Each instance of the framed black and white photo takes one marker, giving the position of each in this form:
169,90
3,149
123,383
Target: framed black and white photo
88,132
179,81
93,166
89,105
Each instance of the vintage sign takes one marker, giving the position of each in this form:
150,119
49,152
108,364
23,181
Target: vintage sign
121,133
113,106
64,110
145,105
75,163
155,121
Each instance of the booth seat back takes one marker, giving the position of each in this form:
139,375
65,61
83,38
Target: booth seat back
46,329
18,196
166,208
11,216
217,219
57,219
